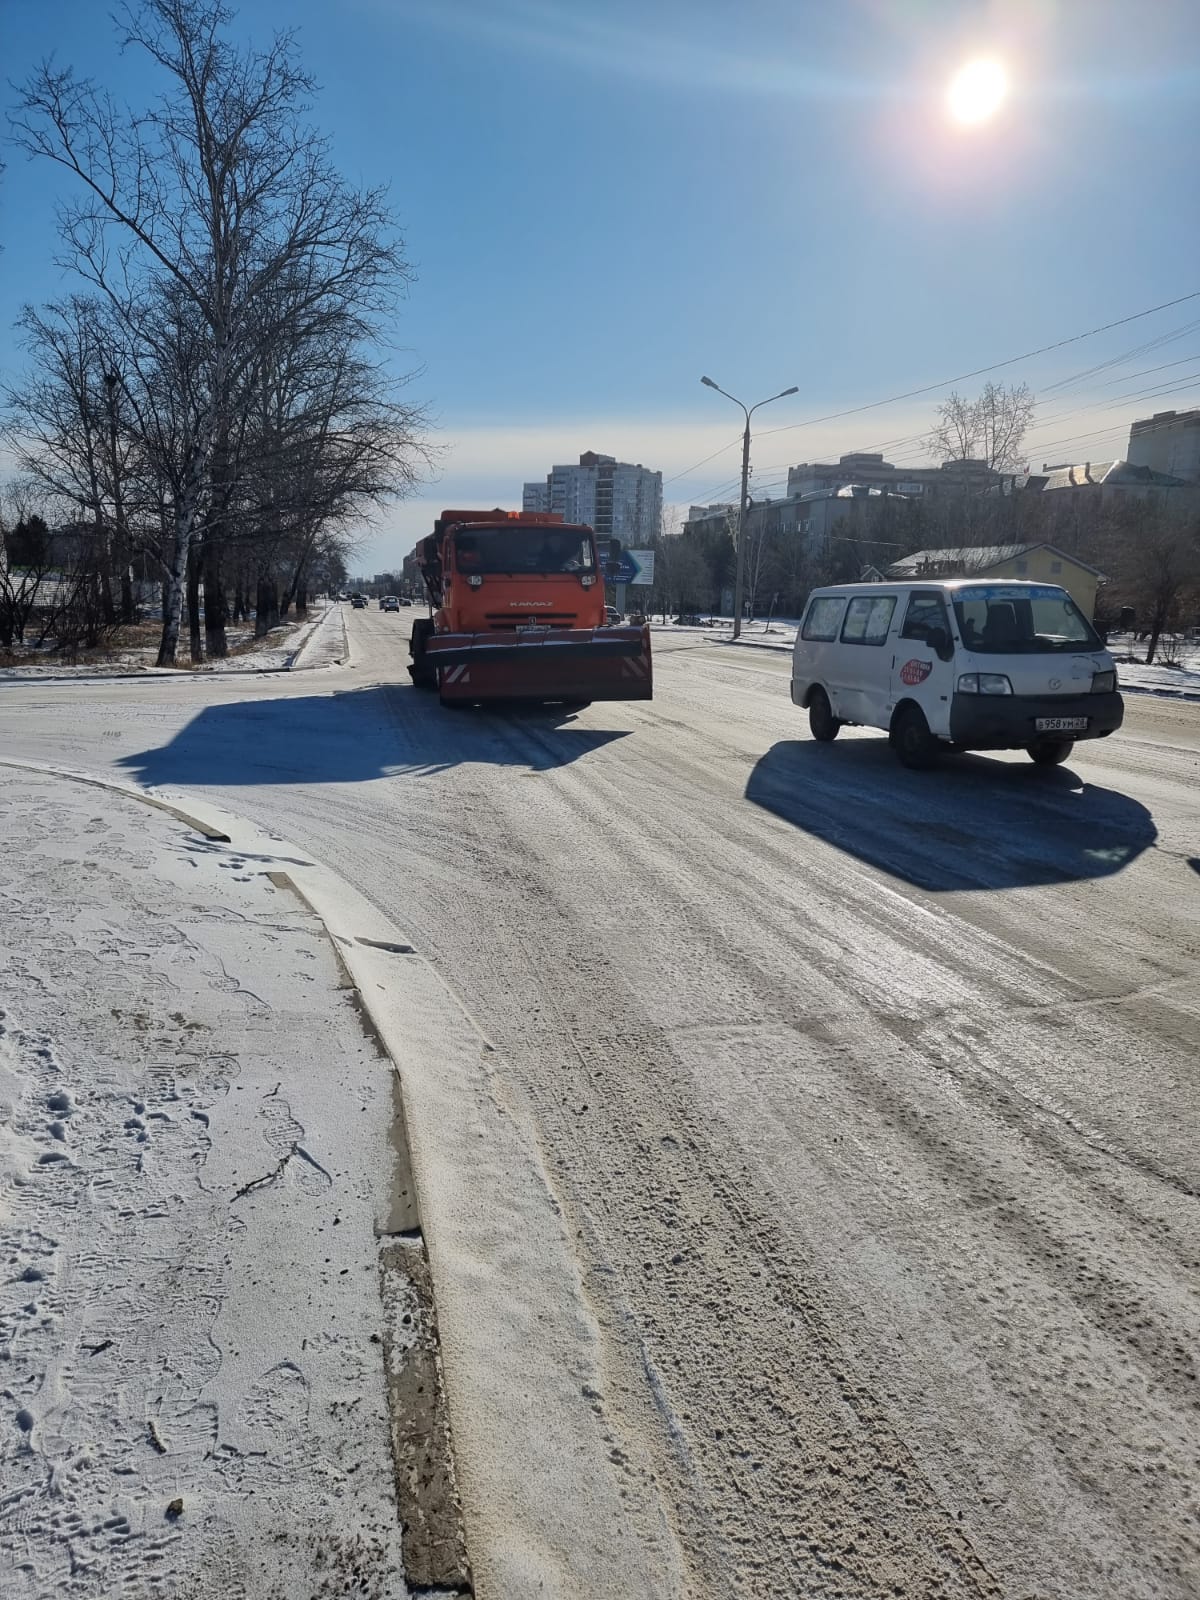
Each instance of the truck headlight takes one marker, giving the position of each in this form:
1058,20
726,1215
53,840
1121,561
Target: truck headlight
984,683
1104,682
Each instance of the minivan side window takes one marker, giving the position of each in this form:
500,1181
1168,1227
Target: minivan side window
823,617
925,612
868,619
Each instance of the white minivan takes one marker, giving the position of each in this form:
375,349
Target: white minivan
955,664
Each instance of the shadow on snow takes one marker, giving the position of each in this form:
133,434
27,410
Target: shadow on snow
972,823
354,735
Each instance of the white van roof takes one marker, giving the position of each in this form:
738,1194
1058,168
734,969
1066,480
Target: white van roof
979,581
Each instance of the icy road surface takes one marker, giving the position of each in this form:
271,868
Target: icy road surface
867,1102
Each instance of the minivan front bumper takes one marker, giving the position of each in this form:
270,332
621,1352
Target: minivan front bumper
1008,722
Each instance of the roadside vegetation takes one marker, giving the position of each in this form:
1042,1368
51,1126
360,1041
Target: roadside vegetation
213,413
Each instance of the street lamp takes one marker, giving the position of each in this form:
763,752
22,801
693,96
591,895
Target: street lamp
739,582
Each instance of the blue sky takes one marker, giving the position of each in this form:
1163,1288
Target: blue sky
604,201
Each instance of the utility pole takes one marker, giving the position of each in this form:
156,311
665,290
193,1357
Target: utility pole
739,582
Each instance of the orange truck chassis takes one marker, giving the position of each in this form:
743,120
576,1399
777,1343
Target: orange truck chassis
517,614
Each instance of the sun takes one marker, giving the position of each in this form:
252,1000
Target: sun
977,91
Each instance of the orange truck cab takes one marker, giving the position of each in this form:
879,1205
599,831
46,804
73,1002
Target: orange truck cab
517,612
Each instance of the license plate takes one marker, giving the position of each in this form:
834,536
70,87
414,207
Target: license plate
1060,724
533,627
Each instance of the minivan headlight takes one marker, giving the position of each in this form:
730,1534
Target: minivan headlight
984,683
1104,682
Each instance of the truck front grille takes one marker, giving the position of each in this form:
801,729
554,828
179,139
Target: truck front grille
501,621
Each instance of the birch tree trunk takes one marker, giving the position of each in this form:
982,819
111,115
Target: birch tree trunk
193,606
173,588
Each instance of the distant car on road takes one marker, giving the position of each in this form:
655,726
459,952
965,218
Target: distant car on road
390,602
612,616
359,602
405,601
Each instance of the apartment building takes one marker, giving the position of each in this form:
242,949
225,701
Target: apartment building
618,499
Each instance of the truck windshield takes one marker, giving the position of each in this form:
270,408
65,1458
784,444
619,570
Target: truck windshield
1021,621
517,549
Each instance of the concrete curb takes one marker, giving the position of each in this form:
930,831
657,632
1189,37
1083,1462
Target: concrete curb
759,644
1187,696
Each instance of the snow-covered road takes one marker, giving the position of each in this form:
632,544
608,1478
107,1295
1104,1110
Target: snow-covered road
866,1101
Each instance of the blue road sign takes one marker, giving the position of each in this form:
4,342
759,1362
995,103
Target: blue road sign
633,566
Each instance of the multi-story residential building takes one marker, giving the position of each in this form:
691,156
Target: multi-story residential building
719,518
812,516
1169,441
617,499
536,497
870,469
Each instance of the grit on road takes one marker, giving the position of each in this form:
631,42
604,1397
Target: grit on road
869,1099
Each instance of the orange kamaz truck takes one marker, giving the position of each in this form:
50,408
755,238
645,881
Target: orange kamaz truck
516,603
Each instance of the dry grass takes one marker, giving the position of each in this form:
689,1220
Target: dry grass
141,639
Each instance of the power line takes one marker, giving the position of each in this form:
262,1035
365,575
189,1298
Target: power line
978,372
707,459
1158,391
1127,355
931,388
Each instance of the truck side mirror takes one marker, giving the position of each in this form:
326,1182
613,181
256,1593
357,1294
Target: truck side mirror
941,644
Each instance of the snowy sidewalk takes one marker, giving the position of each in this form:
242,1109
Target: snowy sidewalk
318,641
194,1162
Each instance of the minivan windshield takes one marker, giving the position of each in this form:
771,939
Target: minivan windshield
1008,619
523,549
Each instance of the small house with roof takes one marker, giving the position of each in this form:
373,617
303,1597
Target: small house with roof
1038,563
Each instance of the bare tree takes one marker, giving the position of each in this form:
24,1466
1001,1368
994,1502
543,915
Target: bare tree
214,196
56,423
1153,558
990,428
24,562
681,582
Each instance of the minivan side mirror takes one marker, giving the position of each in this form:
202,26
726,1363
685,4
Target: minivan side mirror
940,643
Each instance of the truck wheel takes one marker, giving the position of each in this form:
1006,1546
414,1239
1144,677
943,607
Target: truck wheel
911,739
422,675
1051,752
822,723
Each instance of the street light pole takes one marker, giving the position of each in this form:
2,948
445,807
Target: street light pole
739,581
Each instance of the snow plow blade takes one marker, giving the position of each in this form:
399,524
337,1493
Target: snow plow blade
558,664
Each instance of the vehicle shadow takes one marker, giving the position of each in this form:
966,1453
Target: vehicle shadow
972,823
355,735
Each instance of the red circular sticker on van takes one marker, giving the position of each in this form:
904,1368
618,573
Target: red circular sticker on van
914,672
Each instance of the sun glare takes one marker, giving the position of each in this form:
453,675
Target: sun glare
977,91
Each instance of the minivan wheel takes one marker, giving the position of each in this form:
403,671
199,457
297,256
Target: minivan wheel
821,720
1051,752
911,739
